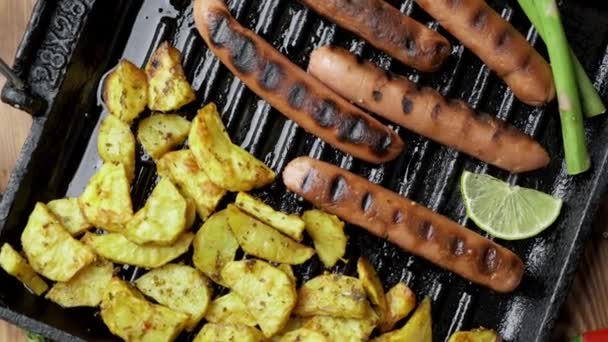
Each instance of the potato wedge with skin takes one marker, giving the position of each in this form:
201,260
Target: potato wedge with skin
212,332
130,316
161,133
214,246
86,288
290,225
106,201
116,144
227,165
341,329
191,180
16,265
119,249
267,291
50,249
372,285
333,295
304,335
67,211
327,233
178,287
475,335
417,328
262,241
162,219
401,300
125,91
230,309
168,87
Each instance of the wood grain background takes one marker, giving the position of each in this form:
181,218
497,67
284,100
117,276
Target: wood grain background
587,305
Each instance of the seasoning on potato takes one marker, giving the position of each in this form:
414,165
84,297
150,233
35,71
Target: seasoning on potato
116,144
131,317
168,87
119,249
327,233
178,287
262,241
191,180
69,214
160,133
230,309
227,165
214,246
162,219
125,91
417,328
341,329
212,332
267,291
106,200
50,249
86,288
304,335
16,265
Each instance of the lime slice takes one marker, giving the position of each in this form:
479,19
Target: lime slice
505,211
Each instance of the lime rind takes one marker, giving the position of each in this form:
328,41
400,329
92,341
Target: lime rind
507,212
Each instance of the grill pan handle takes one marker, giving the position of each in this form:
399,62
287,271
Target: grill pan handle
17,94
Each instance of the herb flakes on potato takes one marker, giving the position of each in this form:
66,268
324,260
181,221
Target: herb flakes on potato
125,91
304,335
230,309
160,133
69,214
50,249
116,144
86,288
168,87
16,265
212,332
327,233
267,291
341,329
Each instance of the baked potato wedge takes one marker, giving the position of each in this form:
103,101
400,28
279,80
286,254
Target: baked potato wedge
294,323
119,249
125,91
305,335
475,335
213,332
168,87
67,211
289,271
417,328
290,225
16,265
131,317
214,246
227,165
162,219
191,180
116,144
50,249
106,201
327,233
333,295
86,288
262,241
230,309
341,329
161,133
372,285
400,300
178,287
267,292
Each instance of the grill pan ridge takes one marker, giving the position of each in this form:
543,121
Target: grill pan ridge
60,154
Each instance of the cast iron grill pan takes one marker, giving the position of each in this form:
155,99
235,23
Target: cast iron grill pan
61,155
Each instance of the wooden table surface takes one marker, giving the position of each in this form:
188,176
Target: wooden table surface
587,305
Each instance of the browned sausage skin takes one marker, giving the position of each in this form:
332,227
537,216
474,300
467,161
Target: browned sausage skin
498,44
384,27
410,226
426,112
301,97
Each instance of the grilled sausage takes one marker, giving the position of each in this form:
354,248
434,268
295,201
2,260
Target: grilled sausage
498,44
410,226
426,112
384,27
301,97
